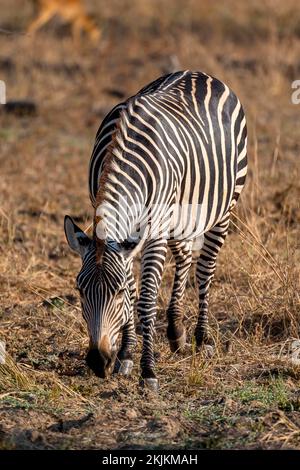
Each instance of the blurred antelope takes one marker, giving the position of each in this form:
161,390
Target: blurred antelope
72,11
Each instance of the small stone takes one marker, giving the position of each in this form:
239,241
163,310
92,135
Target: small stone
131,414
33,435
209,351
228,347
230,404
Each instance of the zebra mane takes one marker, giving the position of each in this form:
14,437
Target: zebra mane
110,166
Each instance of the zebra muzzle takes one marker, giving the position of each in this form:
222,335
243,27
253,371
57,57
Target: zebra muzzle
100,365
101,360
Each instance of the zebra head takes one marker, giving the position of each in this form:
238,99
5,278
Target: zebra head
105,297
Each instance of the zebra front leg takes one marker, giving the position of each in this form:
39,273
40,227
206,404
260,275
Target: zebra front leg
153,259
206,265
176,331
124,362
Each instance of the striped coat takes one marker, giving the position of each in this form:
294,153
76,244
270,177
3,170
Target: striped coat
167,168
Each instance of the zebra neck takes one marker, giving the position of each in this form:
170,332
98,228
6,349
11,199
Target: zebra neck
123,190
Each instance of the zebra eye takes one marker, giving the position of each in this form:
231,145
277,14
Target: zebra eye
120,292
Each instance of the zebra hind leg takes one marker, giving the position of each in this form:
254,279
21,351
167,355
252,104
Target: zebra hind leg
206,265
176,332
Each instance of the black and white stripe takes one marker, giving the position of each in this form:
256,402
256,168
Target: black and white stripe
172,159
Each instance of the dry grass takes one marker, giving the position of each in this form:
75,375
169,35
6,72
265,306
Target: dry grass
247,395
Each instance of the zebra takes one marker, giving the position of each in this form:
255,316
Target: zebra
167,168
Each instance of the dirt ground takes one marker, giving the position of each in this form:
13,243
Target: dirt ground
247,395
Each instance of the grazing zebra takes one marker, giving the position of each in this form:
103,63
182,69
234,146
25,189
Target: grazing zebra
167,168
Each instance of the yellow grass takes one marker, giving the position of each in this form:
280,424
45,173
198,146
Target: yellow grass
246,396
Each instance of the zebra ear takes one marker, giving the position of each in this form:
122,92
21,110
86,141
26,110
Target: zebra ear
77,239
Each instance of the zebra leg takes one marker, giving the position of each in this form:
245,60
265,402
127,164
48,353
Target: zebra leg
213,242
153,259
124,362
176,331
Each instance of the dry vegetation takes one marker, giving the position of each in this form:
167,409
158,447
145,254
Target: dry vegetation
247,395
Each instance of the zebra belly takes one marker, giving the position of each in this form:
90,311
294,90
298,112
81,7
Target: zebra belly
190,229
192,221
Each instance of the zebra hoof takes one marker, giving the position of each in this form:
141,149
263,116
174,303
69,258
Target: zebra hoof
150,384
178,345
125,367
209,351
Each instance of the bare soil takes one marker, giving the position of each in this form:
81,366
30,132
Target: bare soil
247,395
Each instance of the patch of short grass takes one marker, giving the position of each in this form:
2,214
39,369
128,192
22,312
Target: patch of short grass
210,414
19,402
274,393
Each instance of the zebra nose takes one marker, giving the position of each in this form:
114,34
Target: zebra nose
99,363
